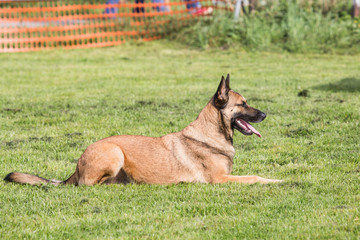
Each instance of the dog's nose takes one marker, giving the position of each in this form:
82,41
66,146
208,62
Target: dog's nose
262,115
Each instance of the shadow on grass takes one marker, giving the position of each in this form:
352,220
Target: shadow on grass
344,85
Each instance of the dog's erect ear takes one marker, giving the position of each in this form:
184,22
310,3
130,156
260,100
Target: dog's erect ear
222,94
228,81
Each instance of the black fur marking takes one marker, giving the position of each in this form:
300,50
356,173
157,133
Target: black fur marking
8,177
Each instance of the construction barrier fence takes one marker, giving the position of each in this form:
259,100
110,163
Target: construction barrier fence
35,25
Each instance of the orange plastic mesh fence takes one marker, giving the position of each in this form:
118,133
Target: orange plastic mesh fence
35,25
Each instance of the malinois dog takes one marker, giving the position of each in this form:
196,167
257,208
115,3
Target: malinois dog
202,152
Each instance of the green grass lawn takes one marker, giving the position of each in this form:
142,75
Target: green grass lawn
53,104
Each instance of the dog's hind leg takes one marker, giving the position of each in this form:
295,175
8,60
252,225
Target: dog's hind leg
120,178
246,179
100,162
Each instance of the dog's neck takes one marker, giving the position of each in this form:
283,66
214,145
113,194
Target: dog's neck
211,120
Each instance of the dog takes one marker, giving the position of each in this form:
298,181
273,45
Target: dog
202,152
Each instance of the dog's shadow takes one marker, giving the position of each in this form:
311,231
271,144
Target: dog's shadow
344,85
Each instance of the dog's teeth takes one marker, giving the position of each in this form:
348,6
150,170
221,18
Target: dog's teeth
239,122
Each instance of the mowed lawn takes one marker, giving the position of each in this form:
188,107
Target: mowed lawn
53,104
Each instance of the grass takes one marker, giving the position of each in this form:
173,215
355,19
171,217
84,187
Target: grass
53,104
285,26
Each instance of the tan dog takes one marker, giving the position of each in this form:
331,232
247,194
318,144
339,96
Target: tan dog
202,152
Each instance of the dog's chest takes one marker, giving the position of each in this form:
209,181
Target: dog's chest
203,164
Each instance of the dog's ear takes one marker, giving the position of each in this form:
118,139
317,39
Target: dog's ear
228,81
222,94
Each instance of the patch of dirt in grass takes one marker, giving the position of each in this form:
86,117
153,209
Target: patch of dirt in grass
74,144
15,142
141,104
84,200
299,132
70,135
45,139
96,210
304,93
13,110
342,207
255,99
296,184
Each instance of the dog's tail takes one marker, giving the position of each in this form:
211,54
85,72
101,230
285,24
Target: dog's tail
25,178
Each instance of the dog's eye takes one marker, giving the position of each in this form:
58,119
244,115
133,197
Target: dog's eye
243,104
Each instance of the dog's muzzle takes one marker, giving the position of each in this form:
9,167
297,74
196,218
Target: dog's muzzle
243,126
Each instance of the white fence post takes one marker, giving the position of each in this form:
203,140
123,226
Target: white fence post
237,10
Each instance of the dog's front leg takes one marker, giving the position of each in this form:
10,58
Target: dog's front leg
246,179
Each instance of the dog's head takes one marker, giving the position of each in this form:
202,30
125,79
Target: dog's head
235,109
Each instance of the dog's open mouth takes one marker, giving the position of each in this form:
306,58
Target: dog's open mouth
244,127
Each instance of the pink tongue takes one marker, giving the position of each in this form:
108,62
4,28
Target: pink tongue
248,125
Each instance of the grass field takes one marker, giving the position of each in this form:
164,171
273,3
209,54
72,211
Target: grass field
54,104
